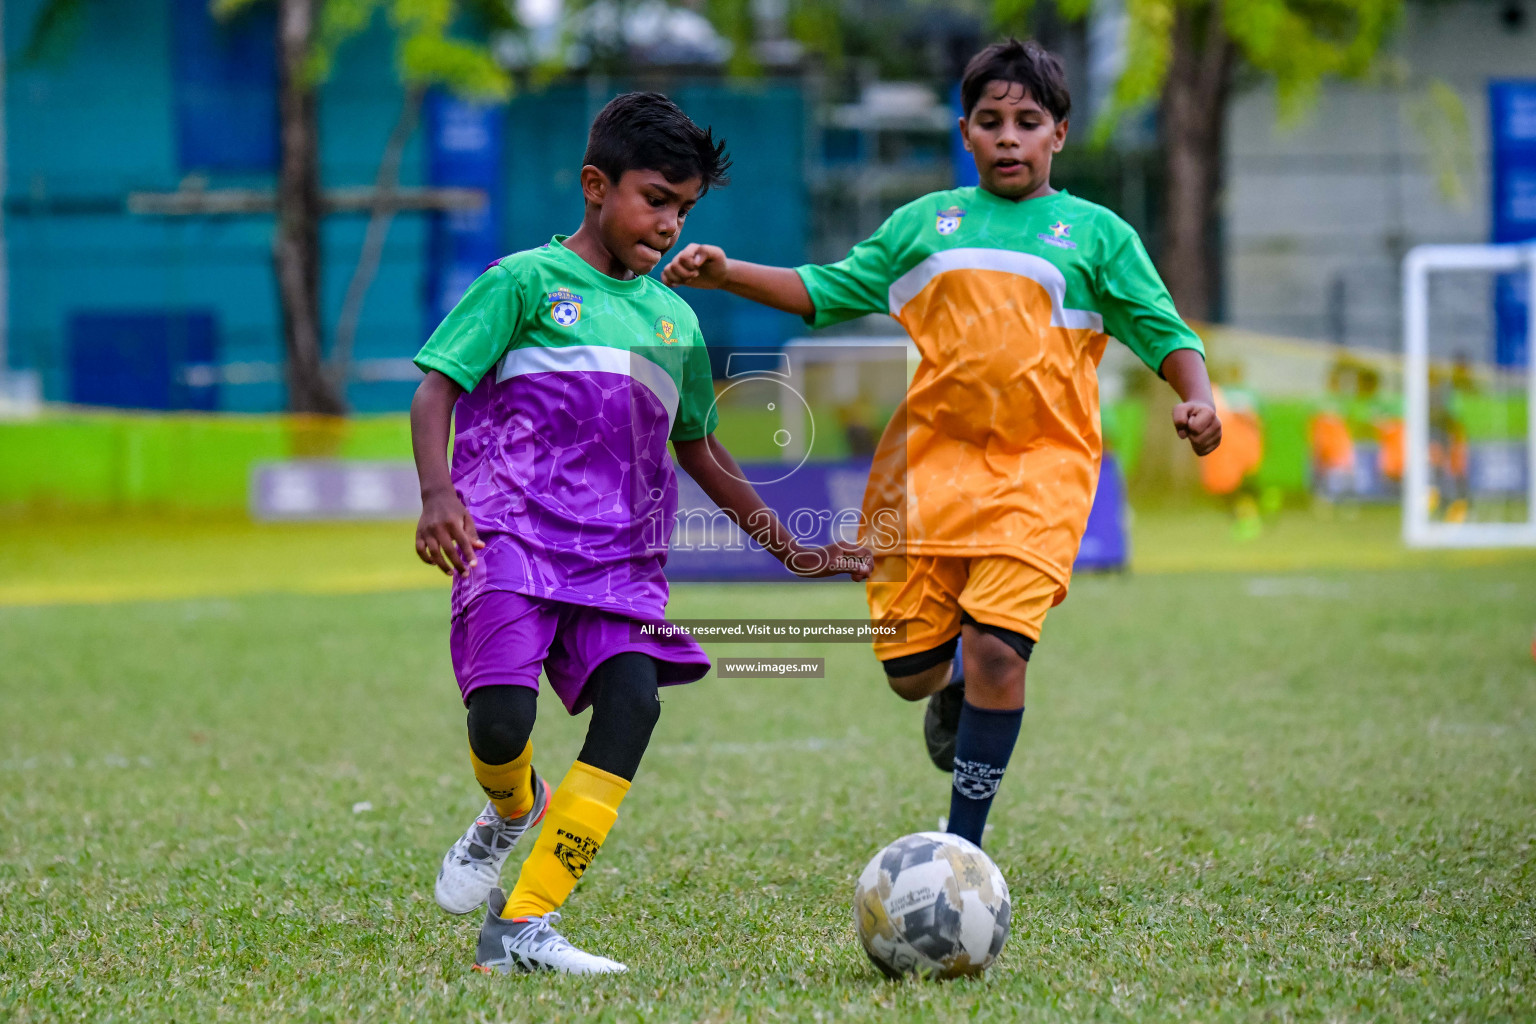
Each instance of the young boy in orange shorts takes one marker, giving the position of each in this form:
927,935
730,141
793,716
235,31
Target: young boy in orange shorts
1010,291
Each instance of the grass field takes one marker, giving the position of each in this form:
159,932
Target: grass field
1294,784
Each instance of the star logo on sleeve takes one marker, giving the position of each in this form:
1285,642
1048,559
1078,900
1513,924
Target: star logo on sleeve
1060,236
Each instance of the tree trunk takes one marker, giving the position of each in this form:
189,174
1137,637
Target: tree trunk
296,247
1193,117
379,220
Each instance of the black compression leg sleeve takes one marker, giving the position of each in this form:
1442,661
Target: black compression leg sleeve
500,721
624,711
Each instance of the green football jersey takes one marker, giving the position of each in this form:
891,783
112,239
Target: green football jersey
574,381
1010,305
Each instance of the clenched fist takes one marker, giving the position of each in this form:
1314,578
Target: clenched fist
1198,423
698,266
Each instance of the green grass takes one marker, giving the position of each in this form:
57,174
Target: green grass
72,560
1236,797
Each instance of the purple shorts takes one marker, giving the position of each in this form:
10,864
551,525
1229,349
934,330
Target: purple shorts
504,638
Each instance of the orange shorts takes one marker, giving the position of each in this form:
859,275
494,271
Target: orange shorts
993,589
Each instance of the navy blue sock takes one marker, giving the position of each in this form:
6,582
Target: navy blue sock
957,666
982,750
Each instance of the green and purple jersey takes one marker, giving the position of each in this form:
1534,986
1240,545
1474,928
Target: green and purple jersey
574,381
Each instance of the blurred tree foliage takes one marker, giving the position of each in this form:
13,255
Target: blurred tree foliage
894,39
1183,56
1186,56
427,52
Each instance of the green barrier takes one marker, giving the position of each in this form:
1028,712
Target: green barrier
119,462
1493,418
1287,461
1125,430
185,463
122,462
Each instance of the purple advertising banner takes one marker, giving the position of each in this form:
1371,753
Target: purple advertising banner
819,498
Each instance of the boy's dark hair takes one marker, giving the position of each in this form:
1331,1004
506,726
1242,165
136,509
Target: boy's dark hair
645,131
1029,64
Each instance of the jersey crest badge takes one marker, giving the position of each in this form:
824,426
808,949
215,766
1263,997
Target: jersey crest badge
666,330
949,220
565,307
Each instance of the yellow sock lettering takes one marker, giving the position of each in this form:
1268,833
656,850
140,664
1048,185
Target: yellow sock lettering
510,785
580,814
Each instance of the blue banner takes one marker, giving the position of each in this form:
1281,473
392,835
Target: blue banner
1512,110
464,150
820,498
224,76
960,157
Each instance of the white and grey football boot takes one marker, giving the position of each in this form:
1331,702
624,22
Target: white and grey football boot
527,945
472,867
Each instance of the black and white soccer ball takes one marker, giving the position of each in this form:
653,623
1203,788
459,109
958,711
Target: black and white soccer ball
933,905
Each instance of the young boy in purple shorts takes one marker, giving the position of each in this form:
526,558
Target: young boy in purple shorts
567,370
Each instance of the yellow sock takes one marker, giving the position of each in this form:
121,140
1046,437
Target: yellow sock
510,785
580,814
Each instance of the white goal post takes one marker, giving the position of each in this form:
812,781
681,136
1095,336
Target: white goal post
1419,527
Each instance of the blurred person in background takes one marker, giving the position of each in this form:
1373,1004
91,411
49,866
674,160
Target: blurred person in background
1229,471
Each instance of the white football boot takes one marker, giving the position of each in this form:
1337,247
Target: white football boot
472,867
527,945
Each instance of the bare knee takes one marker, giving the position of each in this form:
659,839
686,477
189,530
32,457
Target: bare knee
922,684
991,657
994,671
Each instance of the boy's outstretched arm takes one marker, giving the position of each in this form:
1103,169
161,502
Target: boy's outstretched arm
445,534
1195,416
707,266
716,472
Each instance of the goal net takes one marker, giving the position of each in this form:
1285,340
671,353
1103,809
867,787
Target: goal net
1470,390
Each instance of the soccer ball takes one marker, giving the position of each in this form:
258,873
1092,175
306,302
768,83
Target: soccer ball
931,904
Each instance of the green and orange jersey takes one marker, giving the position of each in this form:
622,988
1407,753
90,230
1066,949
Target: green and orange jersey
995,450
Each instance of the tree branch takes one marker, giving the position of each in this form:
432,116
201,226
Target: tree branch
379,221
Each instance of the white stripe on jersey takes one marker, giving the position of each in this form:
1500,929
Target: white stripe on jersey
1041,271
519,362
